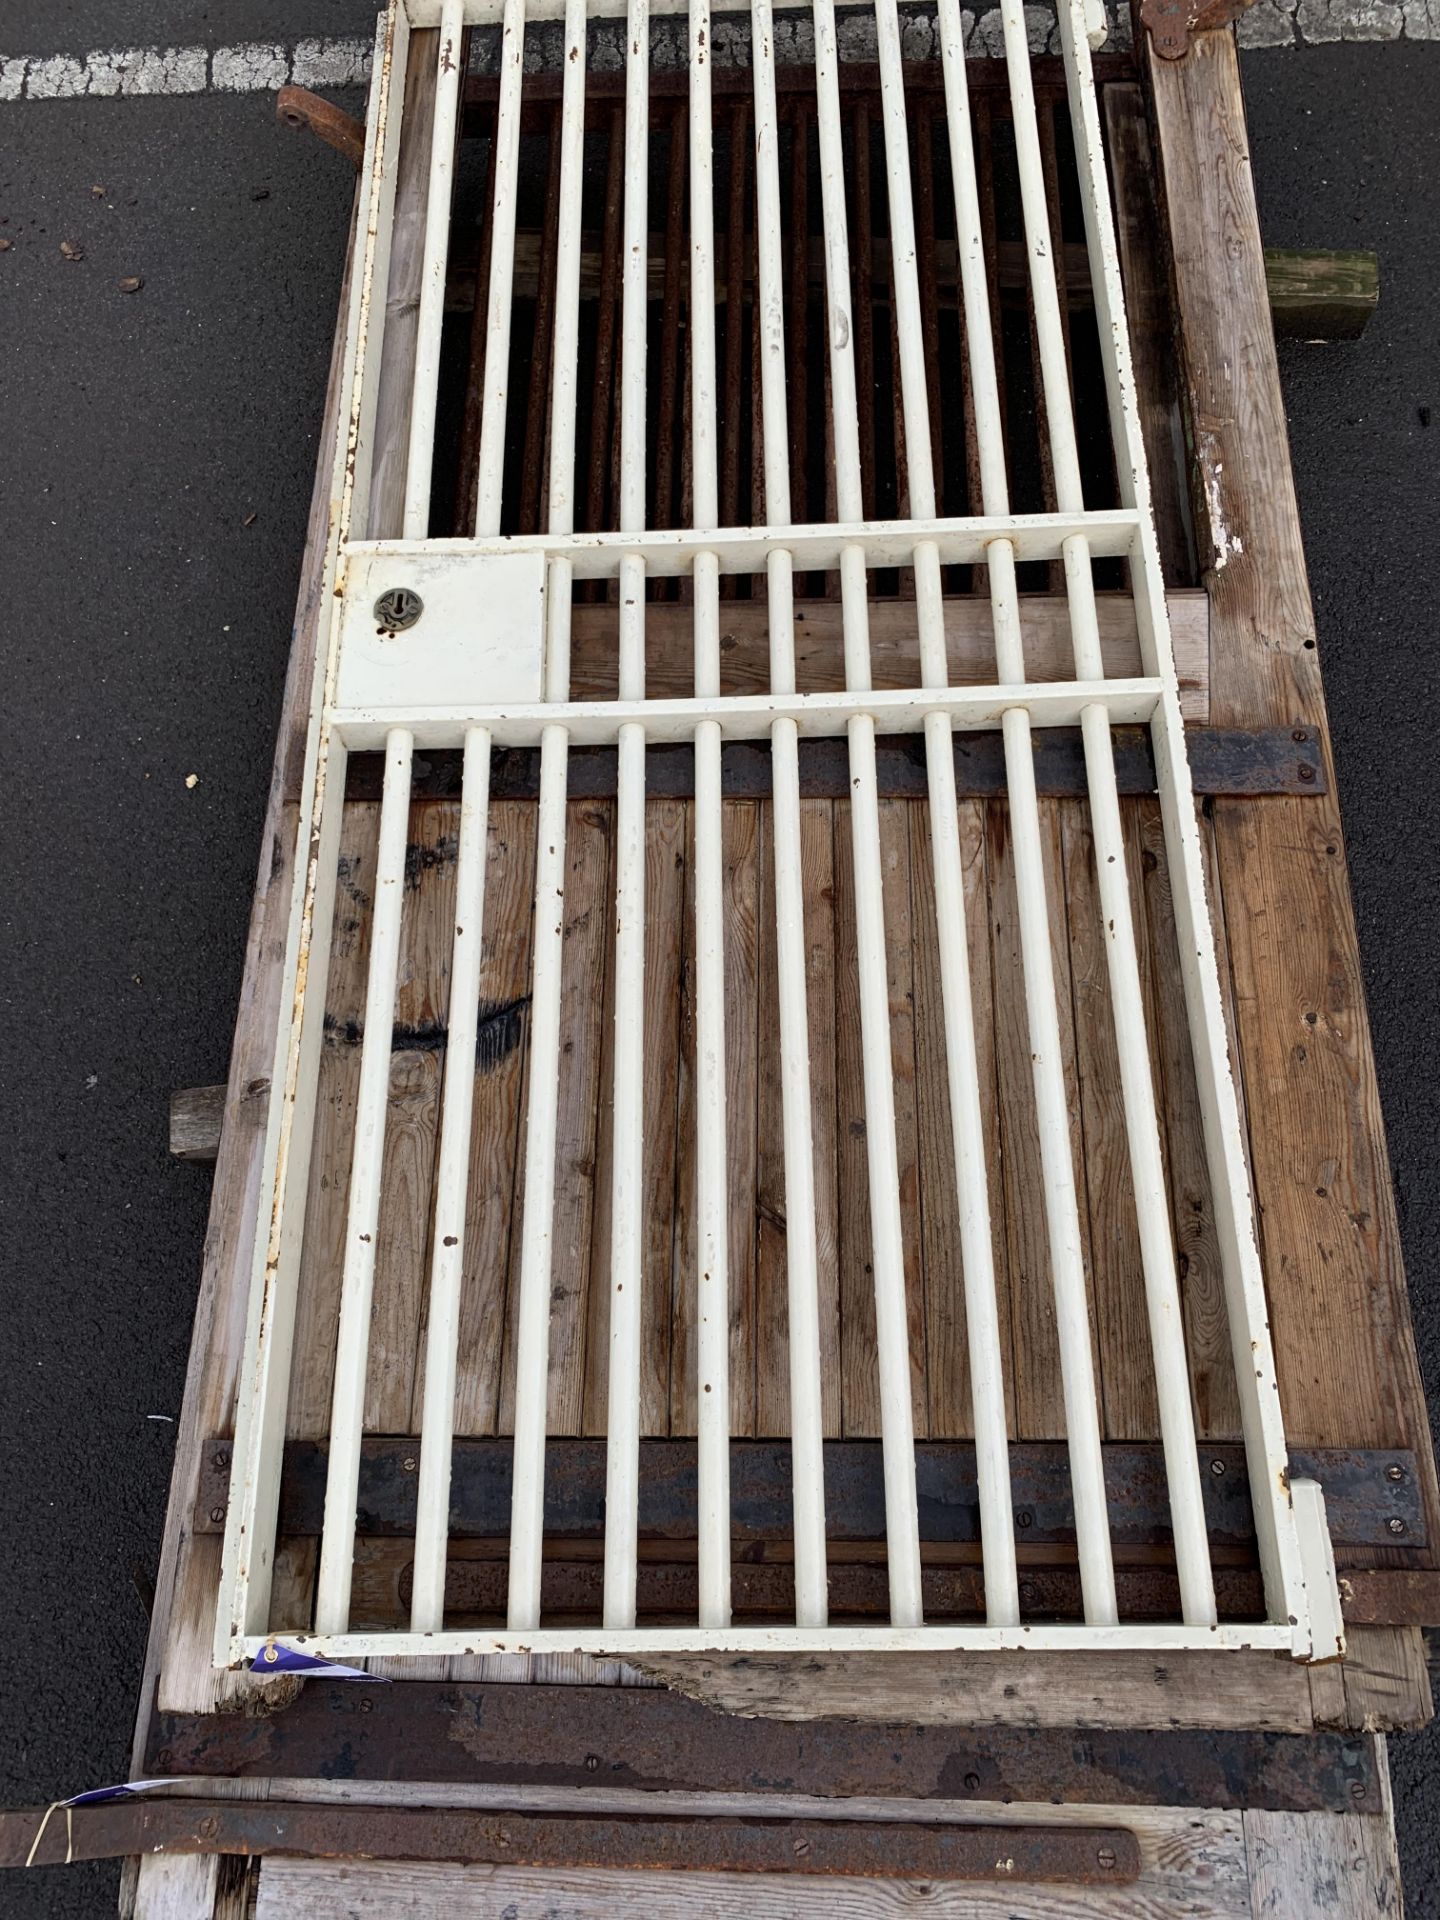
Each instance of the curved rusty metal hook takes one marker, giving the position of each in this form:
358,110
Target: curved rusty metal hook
297,107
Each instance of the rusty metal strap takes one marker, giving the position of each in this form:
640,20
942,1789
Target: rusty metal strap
908,1850
1224,760
608,1737
1372,1498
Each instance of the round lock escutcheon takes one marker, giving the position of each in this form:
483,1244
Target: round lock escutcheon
397,610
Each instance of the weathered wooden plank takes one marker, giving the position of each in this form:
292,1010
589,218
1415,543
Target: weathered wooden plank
1025,1689
589,849
1149,309
744,907
772,1382
665,867
1192,1863
747,895
946,1348
1387,1679
1322,1866
1340,1317
177,1669
1322,1175
196,1116
402,292
495,1137
1202,1284
312,1890
394,1370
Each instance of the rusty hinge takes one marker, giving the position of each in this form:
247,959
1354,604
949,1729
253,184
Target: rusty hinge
1170,23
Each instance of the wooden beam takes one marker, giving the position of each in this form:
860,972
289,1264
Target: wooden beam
1330,1241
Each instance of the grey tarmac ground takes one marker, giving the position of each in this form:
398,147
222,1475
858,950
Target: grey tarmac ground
143,634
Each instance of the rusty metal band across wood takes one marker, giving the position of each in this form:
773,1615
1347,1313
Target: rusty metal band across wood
626,1737
1372,1498
1087,1856
1231,760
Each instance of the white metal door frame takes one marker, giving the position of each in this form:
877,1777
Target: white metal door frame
488,665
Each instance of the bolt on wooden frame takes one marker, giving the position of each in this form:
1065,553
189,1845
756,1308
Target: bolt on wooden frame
482,661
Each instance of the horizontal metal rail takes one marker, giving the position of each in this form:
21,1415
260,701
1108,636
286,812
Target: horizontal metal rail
751,716
1111,532
463,643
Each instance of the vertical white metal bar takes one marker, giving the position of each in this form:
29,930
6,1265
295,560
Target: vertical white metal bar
712,1269
337,1546
452,1179
532,1349
802,1277
622,1452
491,462
1062,1214
982,1316
1157,1255
1275,1517
891,1326
424,393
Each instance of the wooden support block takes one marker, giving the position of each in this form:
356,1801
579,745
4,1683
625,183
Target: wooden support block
195,1117
1321,293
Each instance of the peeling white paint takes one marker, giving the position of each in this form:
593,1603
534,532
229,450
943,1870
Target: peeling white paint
1225,543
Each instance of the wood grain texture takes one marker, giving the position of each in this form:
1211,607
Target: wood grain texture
859,1375
394,1383
1330,1241
177,1660
1192,1213
196,1116
1150,312
665,869
1387,1679
1257,1690
402,291
947,1356
302,1890
1322,1866
772,1330
589,853
743,901
486,1300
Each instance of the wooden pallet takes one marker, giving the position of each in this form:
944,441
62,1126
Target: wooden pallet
1340,1317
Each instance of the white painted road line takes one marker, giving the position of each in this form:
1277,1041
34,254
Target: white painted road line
258,66
135,72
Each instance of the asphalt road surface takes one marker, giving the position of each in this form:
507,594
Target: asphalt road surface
156,455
